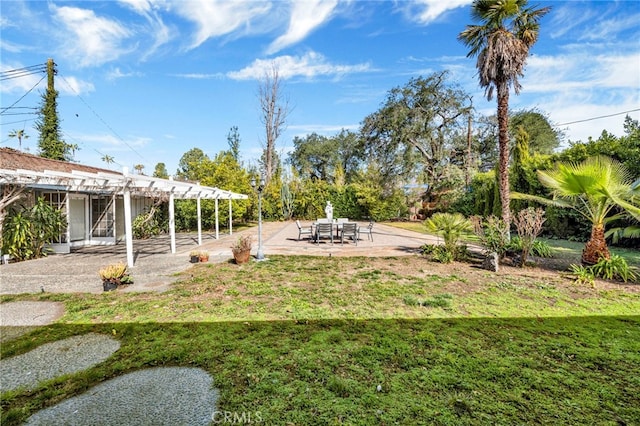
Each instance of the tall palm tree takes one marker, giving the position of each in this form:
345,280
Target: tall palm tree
501,41
20,134
593,188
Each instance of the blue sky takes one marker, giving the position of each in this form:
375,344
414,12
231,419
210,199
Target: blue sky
144,81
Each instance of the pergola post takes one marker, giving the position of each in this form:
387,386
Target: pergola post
230,218
217,217
128,227
199,221
172,220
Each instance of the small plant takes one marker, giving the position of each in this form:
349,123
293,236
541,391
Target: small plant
427,249
541,249
613,268
242,244
493,234
410,301
451,227
442,255
438,301
582,275
199,256
114,275
528,222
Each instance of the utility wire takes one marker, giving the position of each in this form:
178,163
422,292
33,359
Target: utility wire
19,121
597,118
22,72
100,118
22,97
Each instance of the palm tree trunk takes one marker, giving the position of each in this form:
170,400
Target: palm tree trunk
596,247
503,145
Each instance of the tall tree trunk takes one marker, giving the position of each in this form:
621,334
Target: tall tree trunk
596,248
503,145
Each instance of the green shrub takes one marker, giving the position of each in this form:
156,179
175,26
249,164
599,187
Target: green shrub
451,227
442,255
427,249
438,301
493,234
541,249
146,225
613,268
27,231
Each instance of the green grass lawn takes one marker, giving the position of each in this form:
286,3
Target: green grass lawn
361,341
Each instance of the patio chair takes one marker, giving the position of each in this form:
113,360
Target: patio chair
367,230
304,230
324,230
349,230
338,222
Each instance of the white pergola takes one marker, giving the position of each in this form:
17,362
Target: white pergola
126,184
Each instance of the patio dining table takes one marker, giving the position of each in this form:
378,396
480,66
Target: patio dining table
337,225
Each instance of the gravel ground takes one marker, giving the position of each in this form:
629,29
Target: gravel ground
156,396
55,359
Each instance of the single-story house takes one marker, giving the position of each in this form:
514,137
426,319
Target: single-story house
100,204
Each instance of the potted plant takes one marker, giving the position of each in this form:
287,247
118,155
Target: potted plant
199,256
114,275
241,249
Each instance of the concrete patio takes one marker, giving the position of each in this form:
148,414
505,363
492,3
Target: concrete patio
155,266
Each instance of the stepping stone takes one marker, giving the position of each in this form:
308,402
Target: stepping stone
55,359
155,396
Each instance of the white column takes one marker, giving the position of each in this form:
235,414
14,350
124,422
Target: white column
67,202
172,220
128,228
217,217
199,221
230,219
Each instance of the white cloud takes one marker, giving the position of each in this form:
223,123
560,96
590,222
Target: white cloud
219,17
92,40
22,84
73,86
160,32
116,73
196,76
568,72
428,11
108,142
310,65
305,17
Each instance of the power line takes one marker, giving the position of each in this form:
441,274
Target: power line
22,97
23,72
597,118
19,121
100,118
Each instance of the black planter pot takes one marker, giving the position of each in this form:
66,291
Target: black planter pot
195,259
109,285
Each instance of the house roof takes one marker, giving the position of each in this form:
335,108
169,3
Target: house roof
12,159
19,168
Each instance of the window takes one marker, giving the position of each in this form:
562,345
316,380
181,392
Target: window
57,200
102,222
